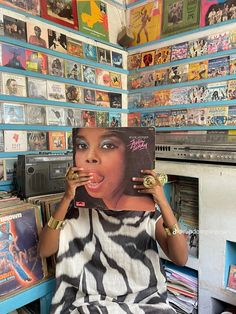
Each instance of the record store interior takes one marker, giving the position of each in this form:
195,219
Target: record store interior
162,69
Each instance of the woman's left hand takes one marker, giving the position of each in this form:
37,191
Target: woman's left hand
156,190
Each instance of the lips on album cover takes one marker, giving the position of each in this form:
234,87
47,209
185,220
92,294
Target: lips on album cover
111,157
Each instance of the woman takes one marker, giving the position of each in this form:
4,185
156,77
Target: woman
107,260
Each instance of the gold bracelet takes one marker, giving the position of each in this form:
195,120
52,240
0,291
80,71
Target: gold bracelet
55,224
171,231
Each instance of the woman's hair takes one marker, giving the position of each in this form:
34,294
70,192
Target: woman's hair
140,149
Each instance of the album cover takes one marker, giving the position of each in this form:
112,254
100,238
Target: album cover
15,141
135,150
115,100
232,64
104,55
232,39
1,23
36,61
218,67
14,85
14,28
217,91
178,74
134,81
69,142
102,119
2,170
88,118
218,42
232,277
147,58
37,34
145,22
217,11
13,57
179,51
55,115
93,18
89,96
162,118
103,77
114,120
162,76
89,74
231,115
56,91
198,70
74,93
37,140
197,116
178,118
73,70
1,114
37,88
10,166
57,41
198,94
134,101
134,119
115,80
13,113
217,115
75,47
61,12
231,89
197,47
147,79
180,16
90,51
21,265
0,54
102,99
36,114
179,96
162,55
162,97
117,59
73,117
134,61
57,140
32,7
55,66
147,119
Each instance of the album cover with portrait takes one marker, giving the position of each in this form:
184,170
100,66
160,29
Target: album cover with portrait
14,28
30,6
112,157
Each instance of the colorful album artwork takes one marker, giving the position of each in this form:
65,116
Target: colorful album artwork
134,119
134,151
74,93
102,99
162,118
217,11
75,47
147,58
231,115
217,115
218,67
218,42
90,51
21,265
114,120
37,140
37,34
15,141
93,18
147,119
231,90
179,51
197,116
115,80
102,119
197,47
103,77
145,22
32,7
198,70
57,140
180,16
14,28
89,96
117,59
13,57
36,61
62,12
134,61
162,55
88,118
231,283
57,41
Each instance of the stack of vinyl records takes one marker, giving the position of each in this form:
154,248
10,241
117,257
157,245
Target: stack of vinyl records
182,290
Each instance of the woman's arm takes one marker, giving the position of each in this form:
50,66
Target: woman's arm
49,238
173,245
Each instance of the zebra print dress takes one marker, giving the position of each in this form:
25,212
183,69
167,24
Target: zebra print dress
108,263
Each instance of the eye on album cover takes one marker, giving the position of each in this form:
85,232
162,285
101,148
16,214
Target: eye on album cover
113,156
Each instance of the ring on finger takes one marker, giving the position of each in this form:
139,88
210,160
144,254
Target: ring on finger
71,174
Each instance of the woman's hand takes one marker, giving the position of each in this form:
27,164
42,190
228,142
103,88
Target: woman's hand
76,177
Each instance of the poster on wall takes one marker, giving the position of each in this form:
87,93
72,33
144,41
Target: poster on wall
180,16
93,18
60,11
145,22
217,11
130,149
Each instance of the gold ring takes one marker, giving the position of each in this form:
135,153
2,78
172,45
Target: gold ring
149,181
71,174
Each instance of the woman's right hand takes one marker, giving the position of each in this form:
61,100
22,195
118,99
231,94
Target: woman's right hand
82,177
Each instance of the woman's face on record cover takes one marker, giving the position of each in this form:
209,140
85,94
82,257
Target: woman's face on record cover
101,152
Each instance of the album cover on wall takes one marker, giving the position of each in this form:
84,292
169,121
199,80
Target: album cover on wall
56,91
13,113
13,57
37,34
231,283
1,141
10,164
55,115
56,66
197,47
73,117
32,6
218,42
147,119
57,41
15,141
115,100
1,23
134,119
37,140
180,16
117,59
14,28
103,55
36,61
116,80
231,115
217,115
73,70
74,93
88,118
102,99
14,84
103,77
134,151
162,97
89,74
162,55
197,116
102,119
37,88
232,64
134,61
61,12
231,90
57,140
69,142
179,51
114,120
90,51
218,67
36,114
198,70
75,47
89,96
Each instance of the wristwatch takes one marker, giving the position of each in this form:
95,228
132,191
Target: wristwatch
55,224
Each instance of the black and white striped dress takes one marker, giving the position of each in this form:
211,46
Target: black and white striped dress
108,263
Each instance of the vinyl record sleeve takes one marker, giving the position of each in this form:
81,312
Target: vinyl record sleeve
122,154
32,6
